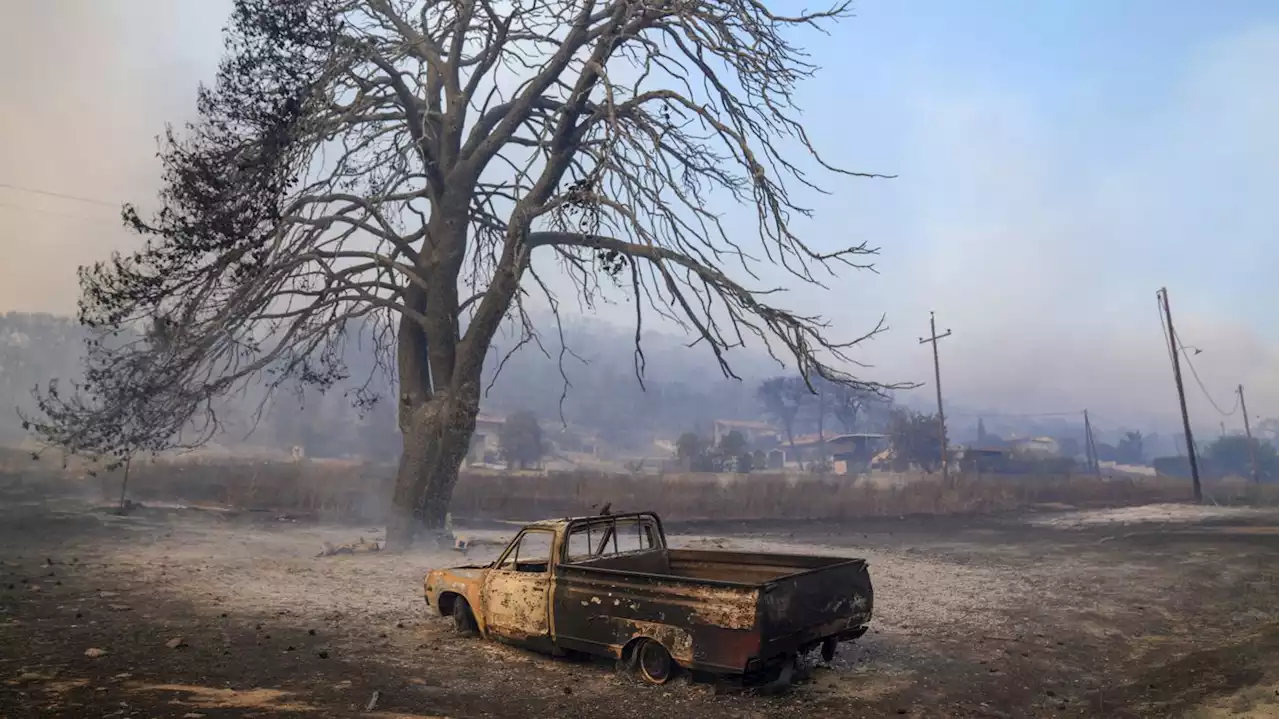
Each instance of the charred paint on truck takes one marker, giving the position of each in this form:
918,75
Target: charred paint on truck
610,586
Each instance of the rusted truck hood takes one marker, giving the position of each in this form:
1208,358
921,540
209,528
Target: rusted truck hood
455,579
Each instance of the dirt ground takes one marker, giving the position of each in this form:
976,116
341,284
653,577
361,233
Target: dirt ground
177,612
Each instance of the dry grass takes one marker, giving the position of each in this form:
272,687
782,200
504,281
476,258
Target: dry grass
768,496
359,492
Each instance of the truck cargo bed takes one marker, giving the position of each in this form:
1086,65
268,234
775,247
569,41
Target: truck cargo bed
751,569
739,611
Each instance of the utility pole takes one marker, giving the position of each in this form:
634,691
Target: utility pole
1163,296
1091,449
1248,435
937,383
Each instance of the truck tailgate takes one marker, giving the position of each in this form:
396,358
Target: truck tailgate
824,601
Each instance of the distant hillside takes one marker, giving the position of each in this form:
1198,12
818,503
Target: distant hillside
683,387
683,390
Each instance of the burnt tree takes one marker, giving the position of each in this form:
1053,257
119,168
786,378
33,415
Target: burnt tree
402,163
782,398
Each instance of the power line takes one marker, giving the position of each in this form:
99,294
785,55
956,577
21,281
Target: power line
1205,391
62,195
1018,415
1170,342
1110,425
1098,420
24,208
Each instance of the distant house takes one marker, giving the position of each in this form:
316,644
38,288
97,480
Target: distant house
666,446
849,453
576,440
484,441
883,460
753,432
980,459
776,459
1168,466
1037,446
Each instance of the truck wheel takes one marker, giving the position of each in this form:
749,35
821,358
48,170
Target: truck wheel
829,649
463,621
782,680
654,662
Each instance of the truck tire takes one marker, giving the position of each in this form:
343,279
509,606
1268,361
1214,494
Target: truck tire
781,681
463,620
654,662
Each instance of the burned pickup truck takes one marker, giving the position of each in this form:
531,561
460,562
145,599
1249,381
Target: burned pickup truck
609,586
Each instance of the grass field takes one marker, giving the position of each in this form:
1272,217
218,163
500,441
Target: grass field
348,491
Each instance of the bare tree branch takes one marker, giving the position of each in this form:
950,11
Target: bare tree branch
400,161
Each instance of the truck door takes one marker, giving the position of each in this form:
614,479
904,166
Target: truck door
517,590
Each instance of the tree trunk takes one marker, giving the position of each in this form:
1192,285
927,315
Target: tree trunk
402,525
436,436
440,377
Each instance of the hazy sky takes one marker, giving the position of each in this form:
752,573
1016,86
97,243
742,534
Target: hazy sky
1057,163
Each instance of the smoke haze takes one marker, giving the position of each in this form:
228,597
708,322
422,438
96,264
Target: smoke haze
87,87
1036,210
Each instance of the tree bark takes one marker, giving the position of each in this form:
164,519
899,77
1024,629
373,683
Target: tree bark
402,525
436,437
